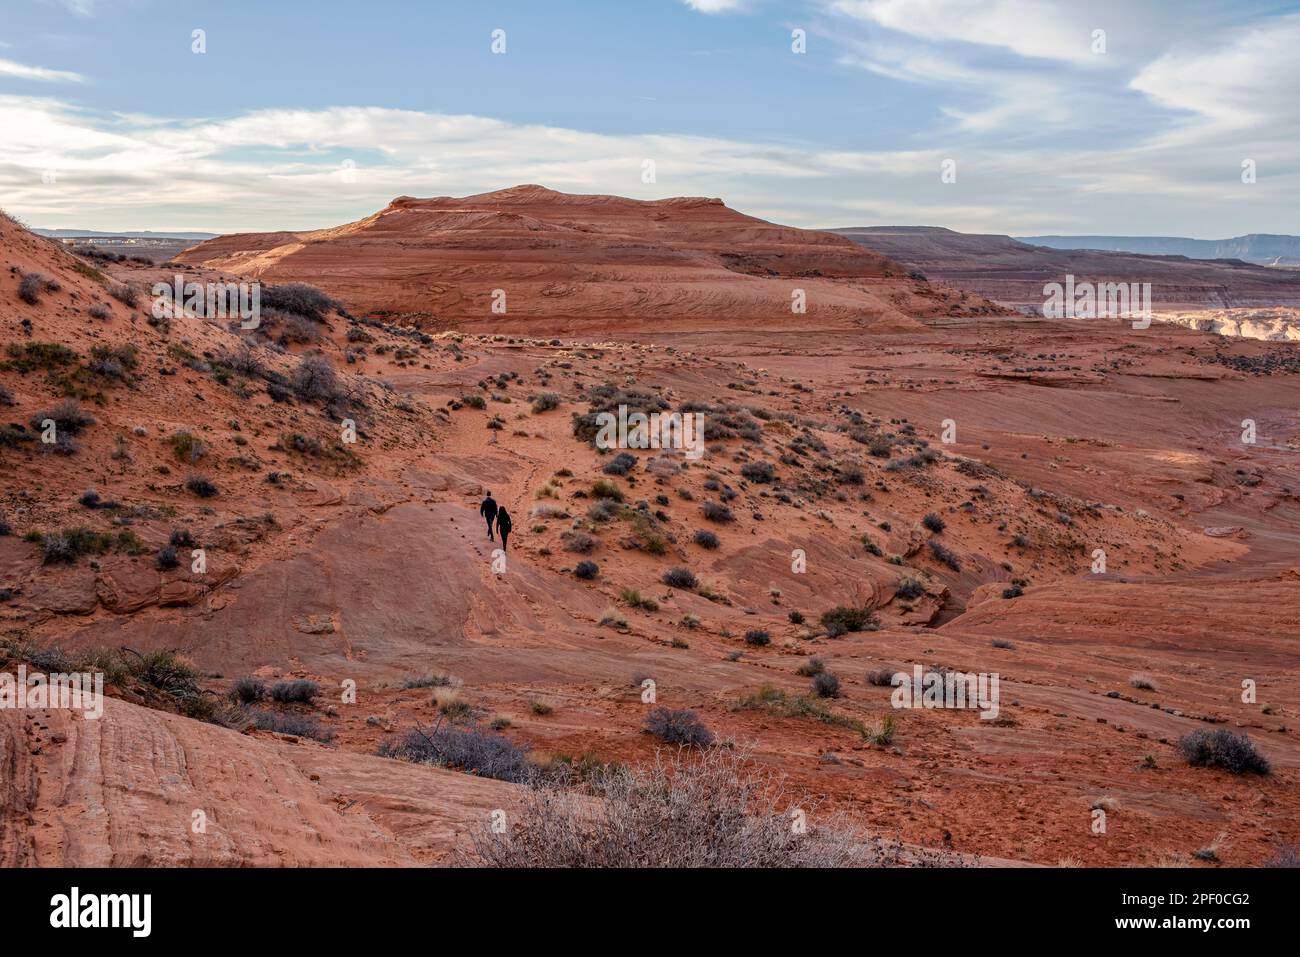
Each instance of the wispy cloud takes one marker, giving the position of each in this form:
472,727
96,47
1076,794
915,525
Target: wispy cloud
273,169
22,71
1246,79
715,6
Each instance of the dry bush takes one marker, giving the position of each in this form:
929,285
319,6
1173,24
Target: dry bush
1235,753
314,380
300,299
697,809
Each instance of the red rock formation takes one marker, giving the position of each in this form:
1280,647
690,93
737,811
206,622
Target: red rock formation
584,263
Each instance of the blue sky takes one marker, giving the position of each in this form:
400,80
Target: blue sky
308,114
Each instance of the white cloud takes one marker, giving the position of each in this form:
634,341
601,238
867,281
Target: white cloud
282,169
715,6
1031,28
1250,80
23,72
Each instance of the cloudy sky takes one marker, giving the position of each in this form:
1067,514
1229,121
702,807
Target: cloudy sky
309,113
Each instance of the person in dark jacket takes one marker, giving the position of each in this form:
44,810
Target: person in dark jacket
489,511
503,526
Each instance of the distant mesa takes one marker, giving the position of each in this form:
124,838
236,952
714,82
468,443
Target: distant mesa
571,262
1013,271
1265,249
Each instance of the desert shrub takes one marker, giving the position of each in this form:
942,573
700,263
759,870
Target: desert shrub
880,678
201,486
166,558
843,619
811,667
299,298
100,311
945,555
603,488
852,475
182,538
30,287
1142,683
68,417
186,446
604,510
880,447
706,539
796,618
314,380
579,542
165,670
1284,855
294,690
38,356
680,578
687,810
621,464
291,328
243,361
6,397
427,681
586,570
1222,749
610,618
468,749
70,544
634,599
545,403
125,294
717,512
300,725
248,690
826,685
114,362
934,523
758,637
883,733
758,472
909,588
680,726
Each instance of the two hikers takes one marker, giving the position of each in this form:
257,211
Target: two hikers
494,513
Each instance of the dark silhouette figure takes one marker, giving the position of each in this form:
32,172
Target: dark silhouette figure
489,511
503,526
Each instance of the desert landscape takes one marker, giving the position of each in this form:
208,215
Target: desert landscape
365,564
562,462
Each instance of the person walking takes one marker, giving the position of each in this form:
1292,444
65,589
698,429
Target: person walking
503,526
489,511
